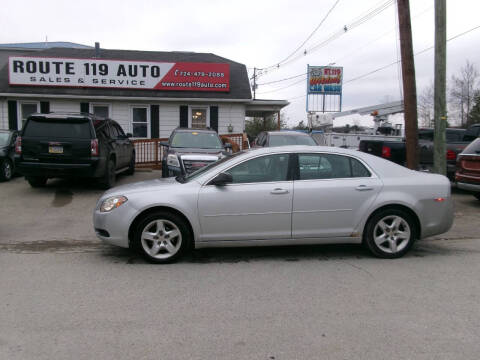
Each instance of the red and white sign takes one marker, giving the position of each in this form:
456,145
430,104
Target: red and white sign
102,73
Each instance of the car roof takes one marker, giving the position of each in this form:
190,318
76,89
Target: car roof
287,132
205,130
67,115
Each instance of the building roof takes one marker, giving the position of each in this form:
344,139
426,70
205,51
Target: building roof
44,45
239,83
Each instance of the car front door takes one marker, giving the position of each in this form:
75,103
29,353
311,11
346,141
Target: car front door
331,195
256,205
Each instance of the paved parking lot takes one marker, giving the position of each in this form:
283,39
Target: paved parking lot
63,295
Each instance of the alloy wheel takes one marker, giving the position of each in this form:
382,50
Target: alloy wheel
161,239
392,234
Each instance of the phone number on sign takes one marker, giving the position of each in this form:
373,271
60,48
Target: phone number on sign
199,73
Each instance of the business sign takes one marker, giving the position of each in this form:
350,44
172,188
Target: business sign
119,74
325,80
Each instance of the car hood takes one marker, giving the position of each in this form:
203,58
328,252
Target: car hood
143,186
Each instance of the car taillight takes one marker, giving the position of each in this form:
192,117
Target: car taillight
386,152
94,147
18,145
451,155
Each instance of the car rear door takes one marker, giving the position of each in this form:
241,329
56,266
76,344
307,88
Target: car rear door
332,193
257,205
57,140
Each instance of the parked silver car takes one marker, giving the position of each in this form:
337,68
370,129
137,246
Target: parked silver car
279,196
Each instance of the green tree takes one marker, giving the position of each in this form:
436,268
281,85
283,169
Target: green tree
258,124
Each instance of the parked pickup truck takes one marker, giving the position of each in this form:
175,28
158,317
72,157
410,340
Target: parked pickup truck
457,140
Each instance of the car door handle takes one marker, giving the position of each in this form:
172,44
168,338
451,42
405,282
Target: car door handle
363,188
279,191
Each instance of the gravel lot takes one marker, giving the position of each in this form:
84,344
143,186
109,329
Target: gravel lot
63,295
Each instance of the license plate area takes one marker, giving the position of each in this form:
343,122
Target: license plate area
55,149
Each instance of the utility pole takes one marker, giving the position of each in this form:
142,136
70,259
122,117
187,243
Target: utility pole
254,81
440,109
409,87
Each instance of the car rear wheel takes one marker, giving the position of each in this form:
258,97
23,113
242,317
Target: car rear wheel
162,237
37,181
109,178
390,233
6,171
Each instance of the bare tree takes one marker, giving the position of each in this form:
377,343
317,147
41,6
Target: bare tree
425,106
463,89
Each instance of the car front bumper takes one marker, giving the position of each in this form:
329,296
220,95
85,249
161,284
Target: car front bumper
469,187
112,227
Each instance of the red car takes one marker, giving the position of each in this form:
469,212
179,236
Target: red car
468,169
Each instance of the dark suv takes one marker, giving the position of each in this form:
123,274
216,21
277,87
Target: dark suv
188,150
73,145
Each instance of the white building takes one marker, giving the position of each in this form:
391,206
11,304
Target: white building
148,93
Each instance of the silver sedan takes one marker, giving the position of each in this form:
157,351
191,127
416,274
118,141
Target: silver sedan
279,196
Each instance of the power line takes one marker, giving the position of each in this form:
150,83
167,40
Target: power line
351,25
310,36
351,52
395,62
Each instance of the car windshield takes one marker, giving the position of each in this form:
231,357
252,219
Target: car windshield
204,169
4,138
283,140
473,148
196,139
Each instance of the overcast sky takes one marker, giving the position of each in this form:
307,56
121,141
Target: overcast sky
260,34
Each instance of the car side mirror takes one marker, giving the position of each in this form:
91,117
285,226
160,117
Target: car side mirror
164,143
221,179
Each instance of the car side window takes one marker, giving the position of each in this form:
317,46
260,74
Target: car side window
358,169
113,131
261,169
261,139
119,129
329,166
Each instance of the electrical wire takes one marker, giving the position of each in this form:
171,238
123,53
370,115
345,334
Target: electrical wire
356,51
351,25
310,36
395,62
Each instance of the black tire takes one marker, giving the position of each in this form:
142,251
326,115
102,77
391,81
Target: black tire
164,169
36,181
6,170
109,177
172,224
397,239
131,166
477,195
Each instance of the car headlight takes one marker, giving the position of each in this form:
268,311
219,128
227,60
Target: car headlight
112,203
172,160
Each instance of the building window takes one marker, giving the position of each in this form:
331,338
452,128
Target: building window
101,110
140,123
27,109
199,118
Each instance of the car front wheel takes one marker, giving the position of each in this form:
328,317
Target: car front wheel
390,233
162,237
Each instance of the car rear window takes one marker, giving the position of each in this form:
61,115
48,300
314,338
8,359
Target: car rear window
473,148
4,137
283,140
57,129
